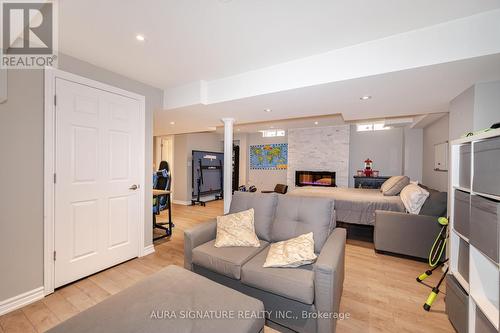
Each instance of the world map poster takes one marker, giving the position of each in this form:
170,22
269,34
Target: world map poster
269,157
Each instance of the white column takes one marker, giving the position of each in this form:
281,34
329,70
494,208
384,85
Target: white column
228,162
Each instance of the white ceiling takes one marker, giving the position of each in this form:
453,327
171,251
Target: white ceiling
189,40
405,93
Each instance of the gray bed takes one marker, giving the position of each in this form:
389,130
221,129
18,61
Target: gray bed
354,205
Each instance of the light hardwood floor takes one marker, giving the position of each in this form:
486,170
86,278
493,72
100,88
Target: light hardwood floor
380,292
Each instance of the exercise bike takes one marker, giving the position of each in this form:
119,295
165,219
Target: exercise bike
435,263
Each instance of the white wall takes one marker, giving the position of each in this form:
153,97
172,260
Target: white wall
434,134
475,109
486,104
413,153
264,179
21,146
182,192
319,149
241,140
3,85
462,114
384,148
184,144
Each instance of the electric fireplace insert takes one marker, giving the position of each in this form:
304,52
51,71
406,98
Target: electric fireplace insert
315,178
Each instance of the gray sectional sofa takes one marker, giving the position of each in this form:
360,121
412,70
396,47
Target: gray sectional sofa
293,296
407,234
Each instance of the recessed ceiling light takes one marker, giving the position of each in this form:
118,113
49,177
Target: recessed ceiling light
172,123
238,129
316,123
140,38
268,110
366,97
271,126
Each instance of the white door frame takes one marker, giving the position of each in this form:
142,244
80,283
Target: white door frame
49,165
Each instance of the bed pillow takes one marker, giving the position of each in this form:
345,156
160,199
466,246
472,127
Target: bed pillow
293,252
413,197
236,230
394,185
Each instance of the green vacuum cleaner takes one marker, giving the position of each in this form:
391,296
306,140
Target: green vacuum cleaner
435,262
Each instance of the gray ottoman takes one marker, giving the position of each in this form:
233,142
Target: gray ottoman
172,300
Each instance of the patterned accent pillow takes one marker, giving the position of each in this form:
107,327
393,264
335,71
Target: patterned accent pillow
394,185
293,252
236,230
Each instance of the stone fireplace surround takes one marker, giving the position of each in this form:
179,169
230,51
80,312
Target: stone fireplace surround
319,149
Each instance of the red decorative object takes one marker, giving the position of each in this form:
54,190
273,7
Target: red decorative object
368,168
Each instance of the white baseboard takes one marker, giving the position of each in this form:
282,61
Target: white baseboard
207,198
181,202
21,300
148,250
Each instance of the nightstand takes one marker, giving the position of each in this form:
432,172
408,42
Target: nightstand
369,182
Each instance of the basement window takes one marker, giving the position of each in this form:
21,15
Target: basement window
372,127
272,133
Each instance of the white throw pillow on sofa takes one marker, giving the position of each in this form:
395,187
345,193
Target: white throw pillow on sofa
293,252
413,197
236,229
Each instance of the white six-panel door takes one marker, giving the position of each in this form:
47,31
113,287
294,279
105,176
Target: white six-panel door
97,149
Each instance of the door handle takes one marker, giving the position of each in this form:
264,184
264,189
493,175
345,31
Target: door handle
133,187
